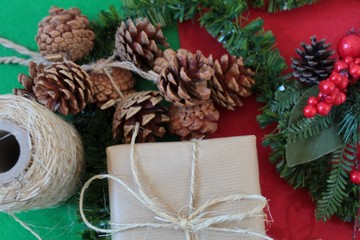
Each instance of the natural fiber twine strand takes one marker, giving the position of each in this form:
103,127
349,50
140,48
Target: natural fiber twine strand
56,162
39,59
197,219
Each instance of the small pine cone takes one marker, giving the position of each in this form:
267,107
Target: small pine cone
62,87
138,42
195,121
185,81
231,81
315,62
144,108
64,34
105,93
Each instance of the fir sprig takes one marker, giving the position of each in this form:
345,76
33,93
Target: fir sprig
349,121
104,28
332,198
94,125
281,5
308,127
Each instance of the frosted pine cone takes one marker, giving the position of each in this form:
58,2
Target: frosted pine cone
194,121
64,34
138,42
185,81
62,87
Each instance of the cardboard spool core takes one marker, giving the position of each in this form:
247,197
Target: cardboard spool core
14,151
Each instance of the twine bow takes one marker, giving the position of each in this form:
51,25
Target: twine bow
196,221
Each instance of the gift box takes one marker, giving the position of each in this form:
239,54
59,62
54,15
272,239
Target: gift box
223,167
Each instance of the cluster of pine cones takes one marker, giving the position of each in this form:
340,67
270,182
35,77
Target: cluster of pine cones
191,82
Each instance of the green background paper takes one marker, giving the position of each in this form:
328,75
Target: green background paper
19,20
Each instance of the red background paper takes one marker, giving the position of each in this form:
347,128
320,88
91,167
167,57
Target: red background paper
292,210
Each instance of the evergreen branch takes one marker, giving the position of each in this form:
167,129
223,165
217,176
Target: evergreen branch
287,98
94,126
104,28
283,5
308,127
332,198
349,122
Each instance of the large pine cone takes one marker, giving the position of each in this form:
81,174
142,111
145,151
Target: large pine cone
64,34
314,63
144,108
232,80
195,121
62,87
138,42
185,81
105,93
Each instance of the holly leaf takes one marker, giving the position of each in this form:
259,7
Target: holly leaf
314,147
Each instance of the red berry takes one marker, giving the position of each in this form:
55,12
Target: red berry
344,83
327,87
330,99
340,98
349,46
355,176
312,101
335,77
340,66
355,71
309,111
323,108
357,61
349,59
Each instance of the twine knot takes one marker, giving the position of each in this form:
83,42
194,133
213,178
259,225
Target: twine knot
197,220
185,224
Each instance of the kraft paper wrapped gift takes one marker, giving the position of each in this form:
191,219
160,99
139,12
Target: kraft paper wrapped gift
225,166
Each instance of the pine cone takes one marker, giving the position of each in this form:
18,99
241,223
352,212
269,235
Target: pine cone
105,93
314,63
232,80
142,107
62,87
137,42
185,81
195,121
64,34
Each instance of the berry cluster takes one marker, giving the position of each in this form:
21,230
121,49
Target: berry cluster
332,91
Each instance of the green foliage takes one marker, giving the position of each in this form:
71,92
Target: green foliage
316,175
286,99
332,198
104,28
308,127
281,5
94,125
349,121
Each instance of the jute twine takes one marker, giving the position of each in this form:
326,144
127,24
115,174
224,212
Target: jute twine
55,163
102,66
197,219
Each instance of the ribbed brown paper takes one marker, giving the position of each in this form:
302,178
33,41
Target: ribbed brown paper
225,166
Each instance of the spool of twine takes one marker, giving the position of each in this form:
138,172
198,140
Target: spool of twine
41,156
